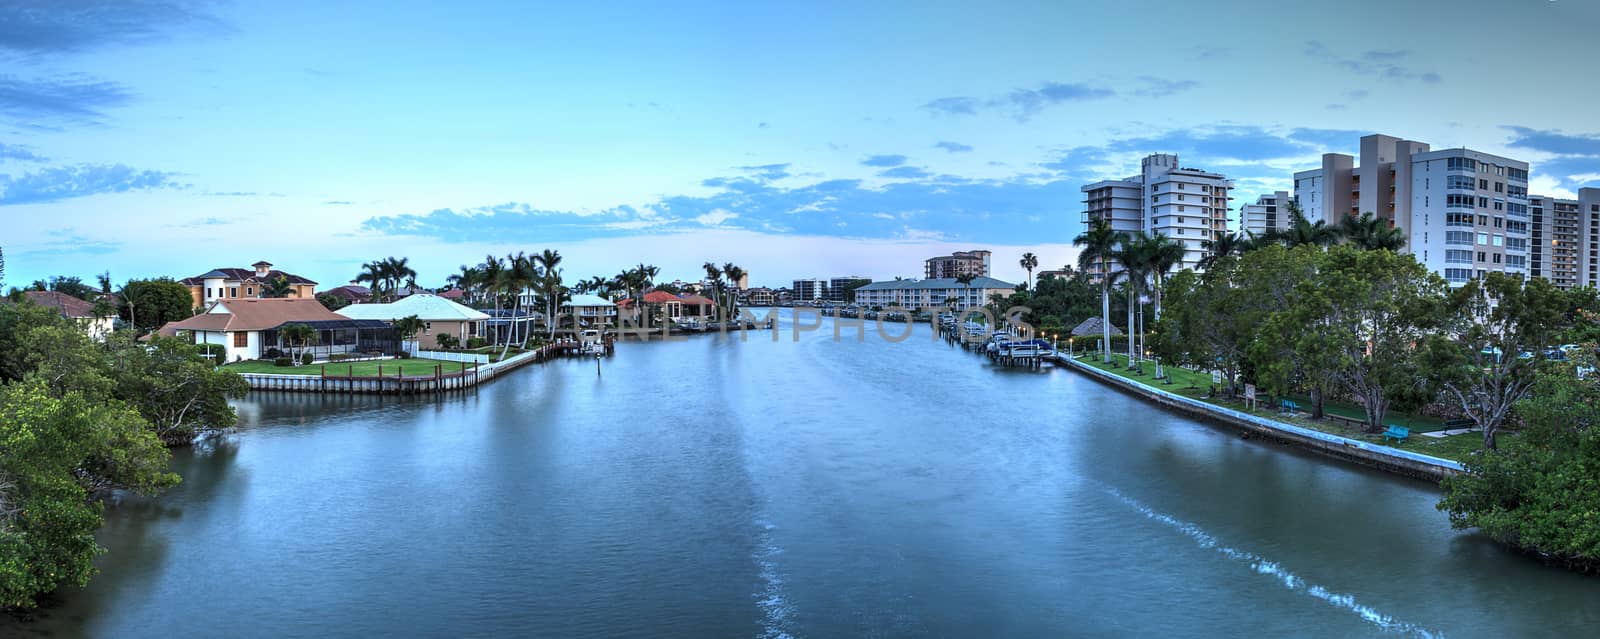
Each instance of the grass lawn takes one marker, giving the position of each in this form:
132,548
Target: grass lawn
391,367
1195,384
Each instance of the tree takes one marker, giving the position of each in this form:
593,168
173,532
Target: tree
1500,318
550,288
407,328
277,287
373,274
734,274
965,280
714,276
2,267
158,301
296,335
1098,243
331,302
1162,254
1267,282
71,285
1305,232
58,452
1131,256
179,392
1540,492
1029,262
1365,315
1371,232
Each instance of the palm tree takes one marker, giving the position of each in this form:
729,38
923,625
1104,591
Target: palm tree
1222,245
734,274
1130,256
1029,262
296,334
493,275
1164,253
277,287
407,328
1371,232
1098,243
397,271
551,287
1303,231
374,275
714,275
965,280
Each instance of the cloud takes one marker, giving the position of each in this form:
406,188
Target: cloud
1554,141
1382,64
1160,87
1573,160
1023,103
338,202
953,147
1209,144
1325,139
715,218
884,160
767,171
60,183
72,98
905,172
19,153
33,27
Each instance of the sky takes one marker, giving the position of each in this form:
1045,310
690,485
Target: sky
170,137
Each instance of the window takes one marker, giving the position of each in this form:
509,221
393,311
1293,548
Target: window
1464,164
1517,174
1499,240
233,291
427,327
1499,187
1483,202
1483,184
1463,238
1483,238
1461,201
1498,222
1457,256
1481,255
1499,205
241,339
1458,274
1516,261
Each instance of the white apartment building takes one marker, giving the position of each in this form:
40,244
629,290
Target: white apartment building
1185,204
921,294
1464,213
1553,240
1269,213
1589,237
810,290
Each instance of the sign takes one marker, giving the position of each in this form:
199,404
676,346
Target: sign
1216,377
1250,392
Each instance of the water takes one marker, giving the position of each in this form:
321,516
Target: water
718,488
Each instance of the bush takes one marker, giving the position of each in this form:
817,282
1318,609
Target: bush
402,355
218,354
477,342
305,358
273,353
338,357
282,361
448,341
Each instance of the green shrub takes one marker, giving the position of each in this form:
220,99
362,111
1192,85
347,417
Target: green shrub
402,355
282,361
218,354
477,342
338,357
272,353
305,358
448,341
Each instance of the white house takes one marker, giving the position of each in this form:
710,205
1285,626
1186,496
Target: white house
439,317
591,310
238,324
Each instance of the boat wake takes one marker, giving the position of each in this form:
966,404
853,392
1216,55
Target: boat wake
776,610
1271,569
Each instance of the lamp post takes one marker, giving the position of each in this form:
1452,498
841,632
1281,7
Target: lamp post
1071,352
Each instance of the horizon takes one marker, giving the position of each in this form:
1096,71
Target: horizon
318,139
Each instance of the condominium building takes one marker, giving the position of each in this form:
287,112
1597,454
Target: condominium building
839,287
1464,213
922,294
958,263
1187,205
810,290
1589,237
1270,213
1553,240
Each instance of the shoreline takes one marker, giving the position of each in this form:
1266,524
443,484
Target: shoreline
1399,462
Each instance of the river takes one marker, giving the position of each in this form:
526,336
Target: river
714,487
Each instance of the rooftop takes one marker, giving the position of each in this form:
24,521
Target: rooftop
425,306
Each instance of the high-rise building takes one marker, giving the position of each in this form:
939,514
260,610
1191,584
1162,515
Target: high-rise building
958,263
839,287
1187,205
1553,240
1589,237
1269,213
810,290
1463,212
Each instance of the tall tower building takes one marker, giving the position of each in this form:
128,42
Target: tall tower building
1187,205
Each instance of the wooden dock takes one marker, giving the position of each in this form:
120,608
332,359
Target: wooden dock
433,379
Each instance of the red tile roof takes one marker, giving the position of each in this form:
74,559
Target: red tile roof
257,315
66,305
697,300
659,297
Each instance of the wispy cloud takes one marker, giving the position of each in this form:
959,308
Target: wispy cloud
70,98
953,147
884,160
767,172
19,153
60,183
1161,87
905,172
33,27
1022,103
1382,64
1573,160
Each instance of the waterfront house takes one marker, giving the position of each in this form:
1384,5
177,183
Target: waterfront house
921,294
79,311
351,293
238,324
661,305
759,296
240,283
697,306
439,317
590,310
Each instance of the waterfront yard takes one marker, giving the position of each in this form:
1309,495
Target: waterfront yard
1197,385
391,368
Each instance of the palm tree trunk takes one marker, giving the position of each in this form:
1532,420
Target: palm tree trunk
1105,318
1132,331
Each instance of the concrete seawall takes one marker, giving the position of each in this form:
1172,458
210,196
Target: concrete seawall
1394,460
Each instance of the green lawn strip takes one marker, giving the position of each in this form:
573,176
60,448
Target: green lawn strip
414,367
1196,384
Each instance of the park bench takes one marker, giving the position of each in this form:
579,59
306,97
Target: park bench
1452,424
1288,407
1348,421
1397,433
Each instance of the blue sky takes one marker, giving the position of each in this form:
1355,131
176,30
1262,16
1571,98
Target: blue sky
165,137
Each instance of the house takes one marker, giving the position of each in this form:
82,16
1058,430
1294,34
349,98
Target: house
760,296
351,293
697,306
439,317
240,325
240,283
79,311
663,306
590,310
